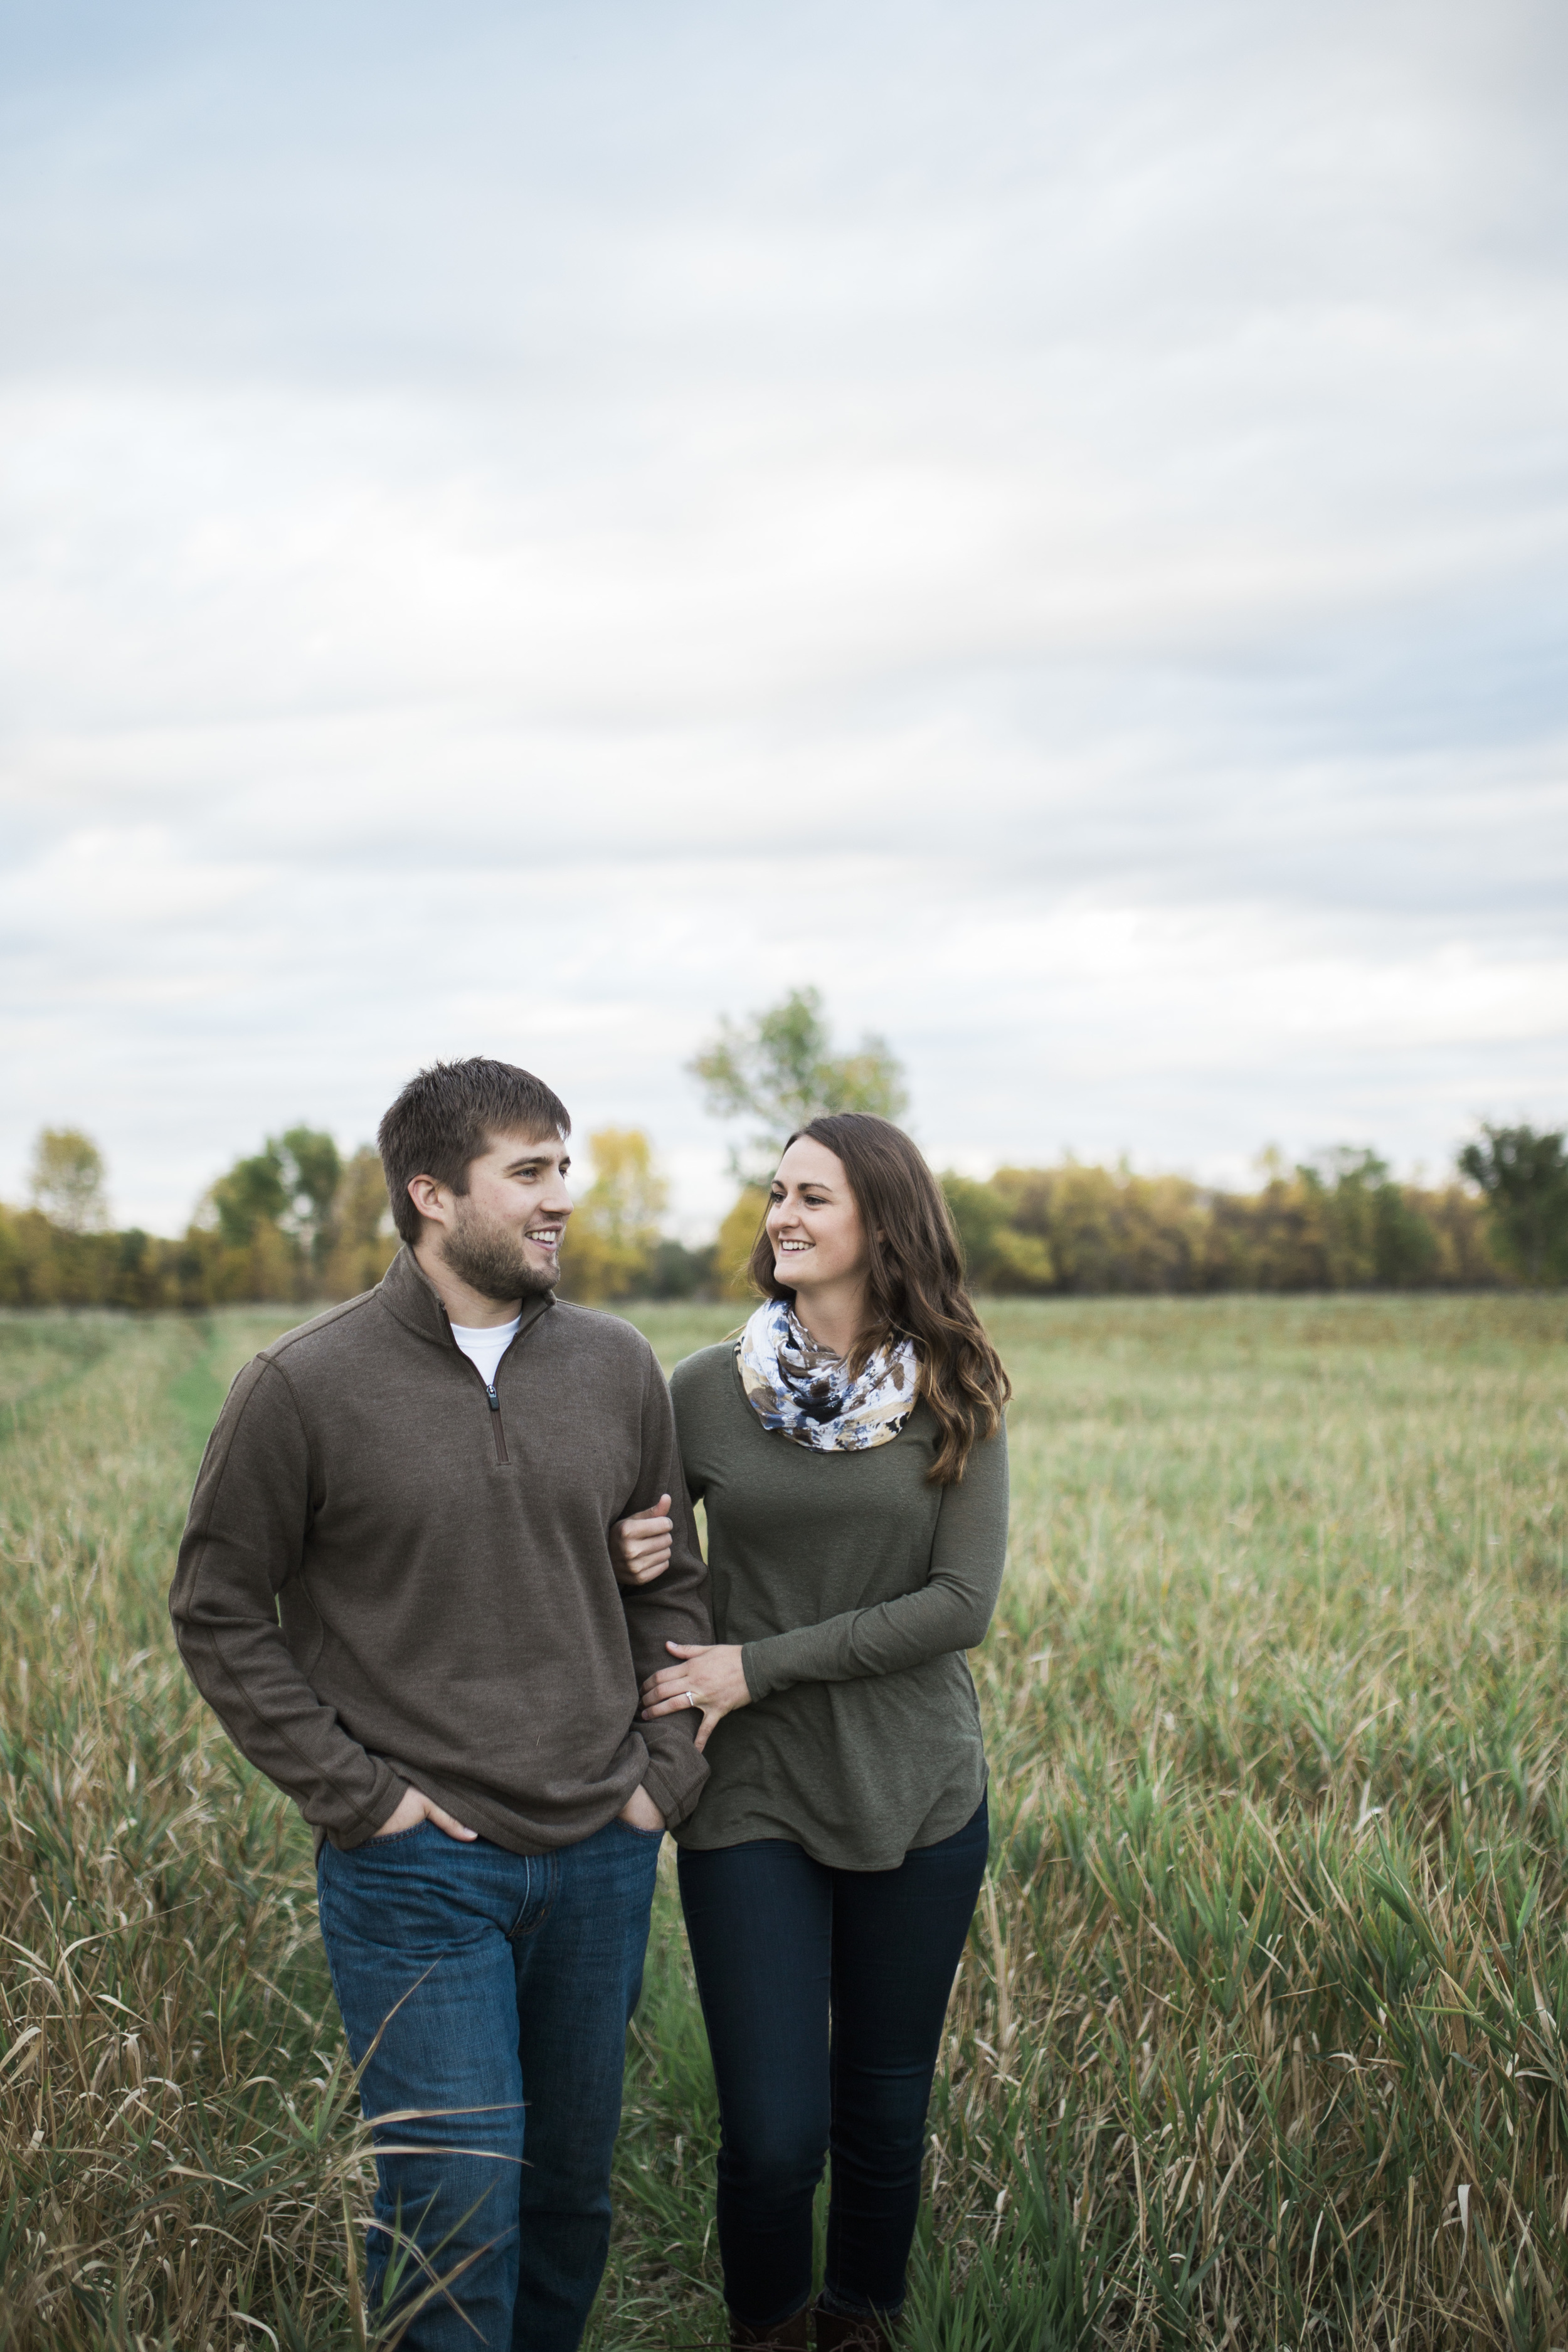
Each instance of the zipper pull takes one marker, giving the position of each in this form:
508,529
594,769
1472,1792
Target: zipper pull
490,1392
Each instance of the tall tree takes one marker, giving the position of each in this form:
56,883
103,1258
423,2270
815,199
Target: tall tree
1368,1230
361,1243
67,1177
1524,1177
613,1236
996,1256
359,1204
313,1166
252,1194
779,1069
291,1183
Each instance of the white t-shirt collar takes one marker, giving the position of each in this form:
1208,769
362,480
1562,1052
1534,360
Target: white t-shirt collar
485,1345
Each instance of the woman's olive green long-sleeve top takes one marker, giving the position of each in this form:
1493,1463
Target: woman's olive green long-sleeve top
853,1587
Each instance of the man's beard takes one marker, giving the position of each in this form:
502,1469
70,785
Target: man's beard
488,1256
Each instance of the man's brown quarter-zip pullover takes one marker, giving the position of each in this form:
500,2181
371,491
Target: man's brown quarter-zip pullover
393,1576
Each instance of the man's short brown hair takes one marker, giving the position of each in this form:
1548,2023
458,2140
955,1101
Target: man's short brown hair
449,1115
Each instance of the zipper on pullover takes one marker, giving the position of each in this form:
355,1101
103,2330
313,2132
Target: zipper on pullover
497,1425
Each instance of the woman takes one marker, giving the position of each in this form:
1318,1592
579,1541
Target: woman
851,1455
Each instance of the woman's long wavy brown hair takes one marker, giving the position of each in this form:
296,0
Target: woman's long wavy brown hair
916,1289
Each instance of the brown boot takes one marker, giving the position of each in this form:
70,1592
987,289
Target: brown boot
836,2332
783,2335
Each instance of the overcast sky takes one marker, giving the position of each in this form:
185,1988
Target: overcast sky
525,528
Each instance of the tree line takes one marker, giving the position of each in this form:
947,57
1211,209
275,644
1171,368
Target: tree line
297,1221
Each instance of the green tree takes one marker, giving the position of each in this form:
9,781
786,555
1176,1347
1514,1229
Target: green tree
678,1272
1371,1234
312,1167
778,1068
68,1180
291,1183
996,1256
1524,1177
252,1194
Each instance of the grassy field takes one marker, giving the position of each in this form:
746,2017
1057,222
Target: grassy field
1259,2039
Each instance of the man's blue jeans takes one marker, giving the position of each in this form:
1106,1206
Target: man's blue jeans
485,1995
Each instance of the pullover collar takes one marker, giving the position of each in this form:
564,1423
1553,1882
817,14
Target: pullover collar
408,1294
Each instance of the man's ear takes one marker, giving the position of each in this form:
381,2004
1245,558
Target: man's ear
429,1197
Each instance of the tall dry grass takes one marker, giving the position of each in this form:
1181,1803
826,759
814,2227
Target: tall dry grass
1259,2037
174,2155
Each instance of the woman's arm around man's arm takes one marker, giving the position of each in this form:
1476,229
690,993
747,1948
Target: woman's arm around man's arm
950,1611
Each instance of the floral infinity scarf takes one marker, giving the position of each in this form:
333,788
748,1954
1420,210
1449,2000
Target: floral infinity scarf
805,1393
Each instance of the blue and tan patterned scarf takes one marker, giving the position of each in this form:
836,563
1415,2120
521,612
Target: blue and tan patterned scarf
806,1394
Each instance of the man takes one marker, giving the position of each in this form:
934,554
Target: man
396,1589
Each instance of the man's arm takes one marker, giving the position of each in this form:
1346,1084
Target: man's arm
673,1609
243,1541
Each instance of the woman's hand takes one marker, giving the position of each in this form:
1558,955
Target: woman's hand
639,1548
709,1678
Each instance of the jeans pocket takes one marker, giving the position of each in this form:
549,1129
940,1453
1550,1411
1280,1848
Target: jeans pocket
385,1838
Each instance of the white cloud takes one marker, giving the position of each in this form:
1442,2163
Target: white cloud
527,538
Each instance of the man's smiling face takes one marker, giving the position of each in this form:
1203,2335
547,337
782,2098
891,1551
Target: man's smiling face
502,1236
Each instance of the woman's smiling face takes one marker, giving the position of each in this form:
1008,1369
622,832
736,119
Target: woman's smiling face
813,1221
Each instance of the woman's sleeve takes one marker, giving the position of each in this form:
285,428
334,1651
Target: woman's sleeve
685,1393
950,1611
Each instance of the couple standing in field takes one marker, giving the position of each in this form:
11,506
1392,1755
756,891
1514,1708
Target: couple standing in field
465,1624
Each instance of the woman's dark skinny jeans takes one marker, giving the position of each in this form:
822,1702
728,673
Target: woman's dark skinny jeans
824,1993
